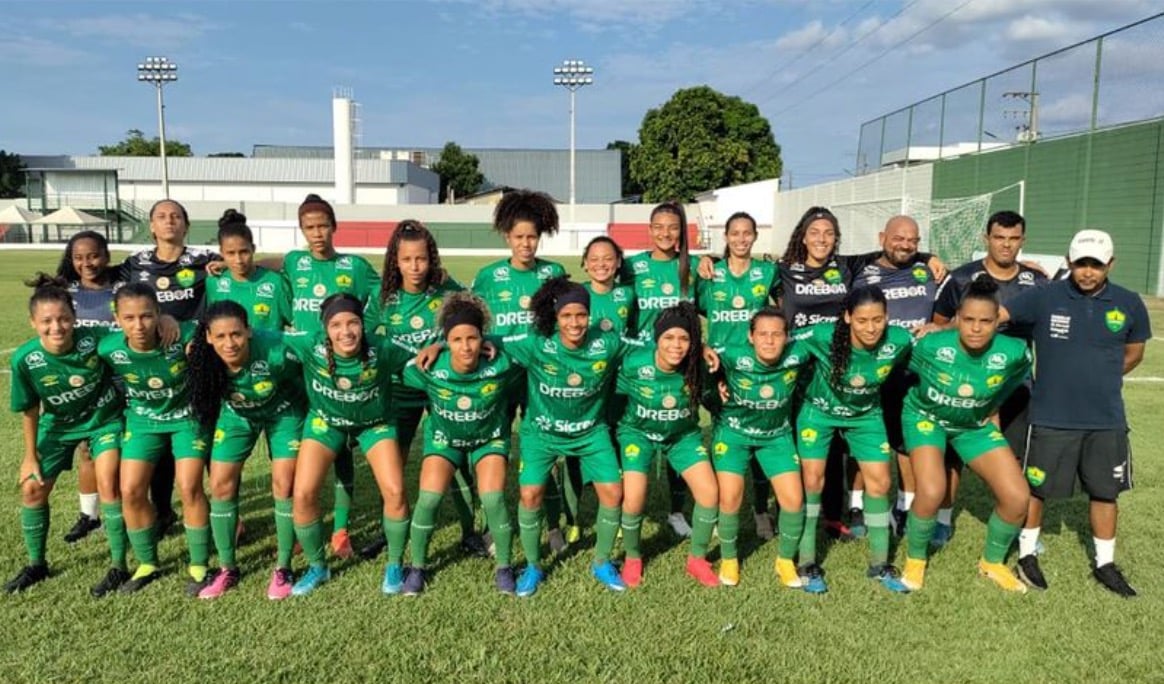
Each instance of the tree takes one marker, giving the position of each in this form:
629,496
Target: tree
458,171
701,139
11,175
630,188
136,145
232,155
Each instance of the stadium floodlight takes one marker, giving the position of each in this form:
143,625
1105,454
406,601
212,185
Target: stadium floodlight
572,75
160,71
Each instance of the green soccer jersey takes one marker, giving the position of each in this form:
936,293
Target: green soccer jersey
266,297
958,389
759,395
729,301
659,403
355,395
860,389
271,382
72,388
156,382
613,311
314,280
568,388
656,285
507,291
465,409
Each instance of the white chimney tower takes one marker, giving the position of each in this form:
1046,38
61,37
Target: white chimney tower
342,125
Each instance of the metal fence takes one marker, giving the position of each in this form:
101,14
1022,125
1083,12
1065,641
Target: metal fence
1110,80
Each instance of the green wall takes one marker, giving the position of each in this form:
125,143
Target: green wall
1111,179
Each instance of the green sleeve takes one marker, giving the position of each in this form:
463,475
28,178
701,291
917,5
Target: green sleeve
774,288
299,343
371,280
519,348
283,311
413,377
24,394
397,355
186,331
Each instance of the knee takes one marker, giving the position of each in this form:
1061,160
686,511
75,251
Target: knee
305,495
610,495
730,500
33,493
393,493
929,493
1012,505
281,485
134,491
223,489
877,484
191,490
531,498
814,480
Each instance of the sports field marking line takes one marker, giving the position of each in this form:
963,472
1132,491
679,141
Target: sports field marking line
1145,378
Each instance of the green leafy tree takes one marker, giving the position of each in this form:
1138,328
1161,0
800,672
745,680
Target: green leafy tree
136,145
11,175
701,139
630,188
458,171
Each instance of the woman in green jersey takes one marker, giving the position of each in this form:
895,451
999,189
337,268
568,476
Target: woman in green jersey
262,292
964,376
66,397
663,384
158,420
853,356
346,377
246,383
468,425
753,426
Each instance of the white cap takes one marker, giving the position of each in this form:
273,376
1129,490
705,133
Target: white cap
1091,244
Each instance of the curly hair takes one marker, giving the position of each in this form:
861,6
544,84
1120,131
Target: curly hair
686,316
49,288
841,347
458,304
526,205
676,209
209,380
411,230
65,268
797,252
543,301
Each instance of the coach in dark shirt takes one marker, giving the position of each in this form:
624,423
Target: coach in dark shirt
1078,426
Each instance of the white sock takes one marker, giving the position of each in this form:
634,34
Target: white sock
857,499
1104,551
945,516
1028,541
89,506
907,498
900,500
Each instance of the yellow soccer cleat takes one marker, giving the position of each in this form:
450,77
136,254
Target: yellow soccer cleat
729,571
573,534
914,573
1002,576
787,574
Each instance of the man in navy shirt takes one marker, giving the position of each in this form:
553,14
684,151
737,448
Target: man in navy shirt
1078,424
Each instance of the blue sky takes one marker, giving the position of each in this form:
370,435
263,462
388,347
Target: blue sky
478,72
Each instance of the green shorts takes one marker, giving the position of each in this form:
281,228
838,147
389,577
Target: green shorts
730,453
920,430
638,450
459,452
865,435
235,436
593,449
316,428
184,441
55,447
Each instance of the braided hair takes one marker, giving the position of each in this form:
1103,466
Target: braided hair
797,252
684,315
543,303
411,230
676,209
841,349
526,205
342,301
209,380
65,268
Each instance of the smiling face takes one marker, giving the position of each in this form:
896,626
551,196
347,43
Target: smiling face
53,322
900,240
138,319
820,239
741,235
89,261
239,255
168,223
665,229
601,262
673,346
413,262
522,240
768,336
573,320
867,324
346,332
230,338
318,231
464,343
977,323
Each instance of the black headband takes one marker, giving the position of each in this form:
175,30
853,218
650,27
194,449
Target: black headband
341,304
466,316
667,321
576,294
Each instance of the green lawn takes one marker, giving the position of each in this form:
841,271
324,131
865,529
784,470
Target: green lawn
960,628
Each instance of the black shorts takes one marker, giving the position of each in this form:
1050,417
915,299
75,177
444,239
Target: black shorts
1015,418
1102,459
893,392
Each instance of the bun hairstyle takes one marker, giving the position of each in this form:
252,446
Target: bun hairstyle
209,383
411,230
315,203
65,268
983,289
797,252
526,205
234,224
841,348
676,209
49,288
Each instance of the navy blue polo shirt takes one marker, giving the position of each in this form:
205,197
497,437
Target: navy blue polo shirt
1079,352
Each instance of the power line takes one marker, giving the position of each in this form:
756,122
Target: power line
876,57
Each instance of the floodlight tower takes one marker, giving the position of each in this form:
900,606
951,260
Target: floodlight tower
160,71
572,75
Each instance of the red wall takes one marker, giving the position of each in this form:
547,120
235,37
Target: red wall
638,235
364,233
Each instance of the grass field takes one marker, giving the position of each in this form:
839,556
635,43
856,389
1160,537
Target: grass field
960,628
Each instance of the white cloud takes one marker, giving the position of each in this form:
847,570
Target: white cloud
39,52
140,29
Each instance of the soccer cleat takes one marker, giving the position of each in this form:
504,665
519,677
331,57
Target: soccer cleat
28,576
310,581
787,574
701,570
1002,576
729,571
373,550
857,523
140,580
110,583
679,525
557,541
812,579
839,531
414,582
889,578
505,582
474,545
573,534
529,581
608,576
82,528
194,587
942,535
1112,579
1030,572
341,544
764,527
223,581
914,573
632,572
279,587
897,520
393,579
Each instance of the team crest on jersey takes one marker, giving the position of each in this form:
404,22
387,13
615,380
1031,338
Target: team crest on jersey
435,304
632,451
262,310
343,383
464,403
832,276
623,312
264,387
945,354
416,322
925,427
883,371
319,290
76,381
35,360
790,377
368,375
318,425
994,381
185,277
920,274
343,280
759,290
523,301
223,284
641,267
488,388
162,283
1115,320
808,436
598,367
156,383
501,274
737,302
1036,476
344,262
996,361
766,391
220,434
265,290
86,345
177,368
647,373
